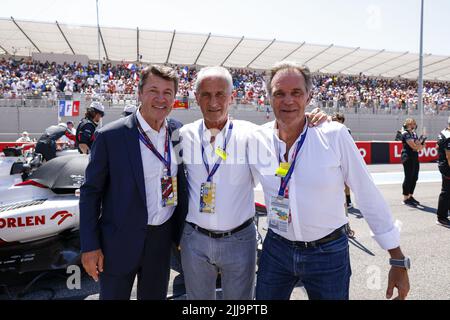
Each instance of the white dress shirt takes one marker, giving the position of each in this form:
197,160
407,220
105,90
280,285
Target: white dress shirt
234,182
328,159
154,171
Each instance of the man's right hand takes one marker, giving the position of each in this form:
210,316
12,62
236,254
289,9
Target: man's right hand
93,263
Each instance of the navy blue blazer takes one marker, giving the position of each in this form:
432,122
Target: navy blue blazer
113,208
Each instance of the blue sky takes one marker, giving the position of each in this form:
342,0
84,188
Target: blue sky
370,24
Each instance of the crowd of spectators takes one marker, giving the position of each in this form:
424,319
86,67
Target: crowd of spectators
35,79
380,93
249,86
27,78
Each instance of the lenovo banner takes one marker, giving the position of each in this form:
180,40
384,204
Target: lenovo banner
428,154
365,149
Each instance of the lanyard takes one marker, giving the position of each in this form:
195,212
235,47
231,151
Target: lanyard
148,143
217,164
285,180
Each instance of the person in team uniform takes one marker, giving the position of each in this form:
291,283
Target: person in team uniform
48,143
70,142
87,126
443,143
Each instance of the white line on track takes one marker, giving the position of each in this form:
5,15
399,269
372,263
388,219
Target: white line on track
383,178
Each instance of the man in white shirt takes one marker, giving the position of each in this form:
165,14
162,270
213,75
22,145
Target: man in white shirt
219,235
302,176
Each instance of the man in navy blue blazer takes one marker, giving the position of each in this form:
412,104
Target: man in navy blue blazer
133,202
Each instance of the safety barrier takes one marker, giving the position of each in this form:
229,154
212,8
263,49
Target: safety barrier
27,145
373,152
378,152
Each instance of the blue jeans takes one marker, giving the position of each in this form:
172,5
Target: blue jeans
202,258
324,270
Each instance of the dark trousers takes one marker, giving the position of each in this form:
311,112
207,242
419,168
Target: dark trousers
444,197
324,270
47,149
152,272
411,169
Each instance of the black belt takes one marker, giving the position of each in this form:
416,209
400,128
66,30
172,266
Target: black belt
216,235
336,234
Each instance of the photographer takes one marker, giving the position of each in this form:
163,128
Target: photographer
410,159
443,144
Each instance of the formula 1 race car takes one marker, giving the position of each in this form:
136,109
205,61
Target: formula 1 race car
39,213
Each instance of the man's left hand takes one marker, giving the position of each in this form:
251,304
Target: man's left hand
317,117
398,278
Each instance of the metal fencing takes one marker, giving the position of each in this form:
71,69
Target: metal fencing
120,100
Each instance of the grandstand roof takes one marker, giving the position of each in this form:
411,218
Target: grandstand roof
22,37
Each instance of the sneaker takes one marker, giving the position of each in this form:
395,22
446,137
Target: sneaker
443,222
409,202
414,200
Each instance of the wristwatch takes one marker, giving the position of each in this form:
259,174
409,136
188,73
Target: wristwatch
401,263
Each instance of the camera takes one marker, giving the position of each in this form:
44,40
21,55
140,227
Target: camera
422,139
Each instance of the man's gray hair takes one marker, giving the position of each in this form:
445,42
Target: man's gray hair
289,65
214,72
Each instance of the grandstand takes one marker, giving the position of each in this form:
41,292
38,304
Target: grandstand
35,70
21,38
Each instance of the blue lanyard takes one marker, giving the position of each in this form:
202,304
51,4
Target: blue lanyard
217,164
285,180
166,160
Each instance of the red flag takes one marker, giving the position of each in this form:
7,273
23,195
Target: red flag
76,108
